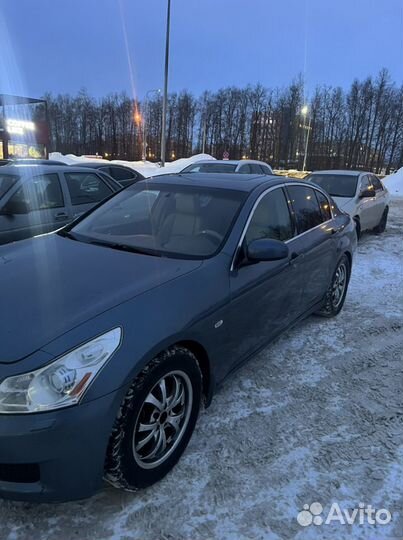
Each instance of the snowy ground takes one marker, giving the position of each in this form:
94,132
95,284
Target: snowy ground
317,416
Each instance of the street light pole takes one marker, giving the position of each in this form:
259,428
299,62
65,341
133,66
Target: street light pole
165,96
305,111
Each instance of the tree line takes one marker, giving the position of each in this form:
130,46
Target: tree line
359,127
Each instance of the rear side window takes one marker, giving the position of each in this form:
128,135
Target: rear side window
245,169
255,168
119,173
39,193
6,182
271,218
324,205
306,207
86,188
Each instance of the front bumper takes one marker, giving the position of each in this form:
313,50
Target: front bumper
56,456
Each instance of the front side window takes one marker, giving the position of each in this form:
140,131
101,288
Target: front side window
170,220
376,183
85,188
6,182
337,185
306,207
271,219
39,193
245,169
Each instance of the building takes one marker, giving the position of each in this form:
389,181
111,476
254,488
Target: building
24,131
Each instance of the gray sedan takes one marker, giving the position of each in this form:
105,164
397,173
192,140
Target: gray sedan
35,199
117,328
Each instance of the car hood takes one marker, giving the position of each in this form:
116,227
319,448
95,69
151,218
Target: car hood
343,202
51,284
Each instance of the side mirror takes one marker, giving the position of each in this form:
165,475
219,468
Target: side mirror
266,249
15,207
367,193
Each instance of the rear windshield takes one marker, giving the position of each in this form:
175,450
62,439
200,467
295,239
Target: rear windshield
337,185
6,181
165,220
211,168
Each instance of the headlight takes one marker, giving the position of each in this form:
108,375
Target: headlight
61,383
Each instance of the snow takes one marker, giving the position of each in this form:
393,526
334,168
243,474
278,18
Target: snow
394,183
146,168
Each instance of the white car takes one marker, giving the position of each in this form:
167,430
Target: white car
243,166
360,194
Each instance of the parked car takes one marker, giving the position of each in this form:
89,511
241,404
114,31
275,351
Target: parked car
124,175
36,199
244,166
31,161
360,194
132,316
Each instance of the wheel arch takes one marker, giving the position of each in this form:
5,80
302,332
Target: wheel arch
204,363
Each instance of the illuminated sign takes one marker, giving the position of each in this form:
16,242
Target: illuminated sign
19,127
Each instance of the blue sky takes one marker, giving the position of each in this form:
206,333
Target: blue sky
64,45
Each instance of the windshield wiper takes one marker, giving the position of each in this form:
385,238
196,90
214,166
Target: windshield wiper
123,247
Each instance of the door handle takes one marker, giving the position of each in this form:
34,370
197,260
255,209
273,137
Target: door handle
335,230
61,216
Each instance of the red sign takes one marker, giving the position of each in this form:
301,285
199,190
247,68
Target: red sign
225,155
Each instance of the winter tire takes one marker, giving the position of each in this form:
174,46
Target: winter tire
155,421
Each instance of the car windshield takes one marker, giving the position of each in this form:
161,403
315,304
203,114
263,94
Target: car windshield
6,181
164,220
211,168
337,185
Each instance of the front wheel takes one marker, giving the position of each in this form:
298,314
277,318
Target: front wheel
155,421
336,293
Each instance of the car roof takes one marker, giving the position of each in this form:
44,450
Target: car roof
24,169
230,181
227,161
341,172
97,165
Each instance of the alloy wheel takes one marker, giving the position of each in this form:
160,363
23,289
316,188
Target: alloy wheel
162,420
339,285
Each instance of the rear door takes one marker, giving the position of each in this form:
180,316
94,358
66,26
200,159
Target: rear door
315,243
85,190
380,199
36,207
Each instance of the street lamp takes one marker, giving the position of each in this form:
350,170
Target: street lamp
145,120
305,112
165,97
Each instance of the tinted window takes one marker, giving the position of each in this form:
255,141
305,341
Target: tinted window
337,185
6,181
265,169
119,173
40,193
306,207
255,168
86,188
171,220
245,169
376,183
211,167
324,205
271,219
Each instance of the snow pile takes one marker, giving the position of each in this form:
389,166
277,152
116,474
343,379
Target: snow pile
394,183
146,168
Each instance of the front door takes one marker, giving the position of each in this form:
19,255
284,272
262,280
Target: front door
264,296
86,190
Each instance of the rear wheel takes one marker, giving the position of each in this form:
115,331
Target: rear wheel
380,228
155,421
336,293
